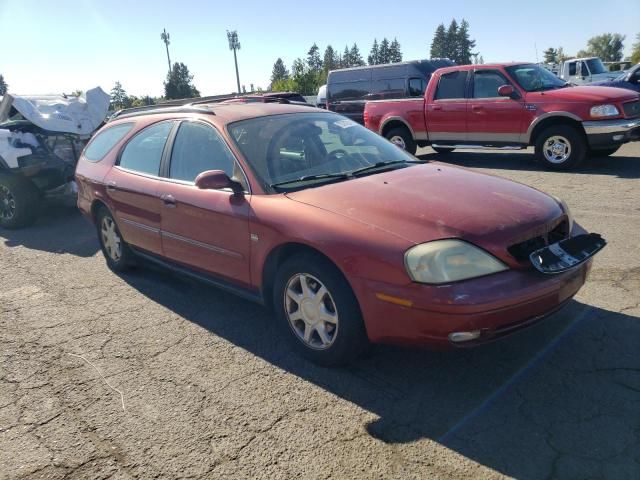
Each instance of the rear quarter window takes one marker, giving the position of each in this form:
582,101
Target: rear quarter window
105,140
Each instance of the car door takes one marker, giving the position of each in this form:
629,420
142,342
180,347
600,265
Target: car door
132,187
446,113
207,230
492,118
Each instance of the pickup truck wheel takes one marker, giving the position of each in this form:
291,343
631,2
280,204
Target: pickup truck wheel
401,137
19,201
561,147
443,150
115,250
604,152
318,311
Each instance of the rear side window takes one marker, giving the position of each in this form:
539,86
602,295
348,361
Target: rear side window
143,153
451,85
104,141
196,149
417,87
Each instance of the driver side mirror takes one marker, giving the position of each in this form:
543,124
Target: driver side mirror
507,91
217,180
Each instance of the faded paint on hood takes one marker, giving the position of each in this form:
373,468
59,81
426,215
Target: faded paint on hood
435,201
586,94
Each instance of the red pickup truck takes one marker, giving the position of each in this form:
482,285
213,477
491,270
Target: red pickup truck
510,106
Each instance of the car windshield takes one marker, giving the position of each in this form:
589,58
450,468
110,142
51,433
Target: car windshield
301,150
534,78
595,66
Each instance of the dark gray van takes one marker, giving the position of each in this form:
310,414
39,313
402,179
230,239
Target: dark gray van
348,89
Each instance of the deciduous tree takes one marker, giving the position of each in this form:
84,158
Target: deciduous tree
635,50
608,46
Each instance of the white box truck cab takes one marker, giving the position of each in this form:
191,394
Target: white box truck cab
580,71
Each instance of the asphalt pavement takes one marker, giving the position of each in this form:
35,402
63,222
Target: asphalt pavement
150,375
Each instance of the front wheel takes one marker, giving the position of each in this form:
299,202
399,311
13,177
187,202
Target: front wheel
561,147
317,308
19,201
401,137
115,250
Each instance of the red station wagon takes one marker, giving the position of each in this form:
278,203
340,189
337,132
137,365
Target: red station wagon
349,238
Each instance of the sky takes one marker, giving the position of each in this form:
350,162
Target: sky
65,45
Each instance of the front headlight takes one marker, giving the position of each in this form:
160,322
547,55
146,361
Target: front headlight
604,111
445,261
565,209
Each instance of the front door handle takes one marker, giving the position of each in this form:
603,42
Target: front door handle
111,186
477,108
436,107
168,200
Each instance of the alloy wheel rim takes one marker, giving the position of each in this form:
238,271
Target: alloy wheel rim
311,311
7,203
399,141
110,239
557,149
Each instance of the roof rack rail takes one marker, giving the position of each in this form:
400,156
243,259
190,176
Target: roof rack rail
150,109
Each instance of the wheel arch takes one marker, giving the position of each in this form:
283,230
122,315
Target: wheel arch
551,119
395,122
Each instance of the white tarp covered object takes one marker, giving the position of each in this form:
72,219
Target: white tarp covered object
79,115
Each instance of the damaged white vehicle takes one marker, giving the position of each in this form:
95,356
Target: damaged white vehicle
41,138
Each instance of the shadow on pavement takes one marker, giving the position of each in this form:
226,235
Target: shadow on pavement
58,229
618,166
558,400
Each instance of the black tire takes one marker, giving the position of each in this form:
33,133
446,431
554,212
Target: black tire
443,150
348,337
565,135
603,152
19,201
125,259
401,137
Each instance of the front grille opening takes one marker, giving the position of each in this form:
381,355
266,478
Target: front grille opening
521,251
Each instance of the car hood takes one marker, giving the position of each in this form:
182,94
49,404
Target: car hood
587,94
436,201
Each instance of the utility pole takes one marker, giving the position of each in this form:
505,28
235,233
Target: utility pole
234,45
165,38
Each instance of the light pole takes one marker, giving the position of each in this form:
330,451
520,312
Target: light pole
165,38
234,45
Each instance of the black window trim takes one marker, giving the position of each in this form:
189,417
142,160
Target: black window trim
165,164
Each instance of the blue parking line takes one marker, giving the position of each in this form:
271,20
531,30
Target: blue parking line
519,375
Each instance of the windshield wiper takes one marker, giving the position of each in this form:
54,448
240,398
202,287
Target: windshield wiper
381,165
321,176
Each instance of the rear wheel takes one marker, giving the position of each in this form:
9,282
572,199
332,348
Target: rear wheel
401,137
19,201
317,308
443,150
115,250
603,152
561,147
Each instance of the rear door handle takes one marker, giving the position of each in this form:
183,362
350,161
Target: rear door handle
168,200
436,107
477,108
111,186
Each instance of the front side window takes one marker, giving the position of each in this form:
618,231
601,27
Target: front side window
486,83
196,149
311,148
452,86
572,68
143,153
534,78
105,140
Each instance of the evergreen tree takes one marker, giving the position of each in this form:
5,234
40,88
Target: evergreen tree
438,45
331,61
550,55
464,44
313,59
119,97
279,71
451,44
346,58
395,52
356,58
3,85
374,55
178,83
384,54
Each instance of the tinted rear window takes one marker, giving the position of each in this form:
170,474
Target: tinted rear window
452,85
104,141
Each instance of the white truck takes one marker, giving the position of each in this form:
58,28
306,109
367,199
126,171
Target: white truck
581,71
